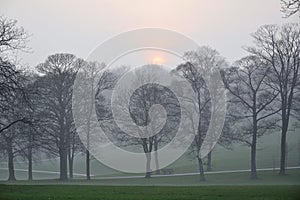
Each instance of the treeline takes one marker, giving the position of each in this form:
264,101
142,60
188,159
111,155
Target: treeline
36,107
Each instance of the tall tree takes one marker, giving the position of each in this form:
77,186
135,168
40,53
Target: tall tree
201,61
279,46
92,78
91,71
255,100
56,87
30,132
12,39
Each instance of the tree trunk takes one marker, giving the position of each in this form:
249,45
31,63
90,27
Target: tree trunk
88,170
71,168
253,174
88,160
71,159
209,161
283,148
148,175
156,155
201,170
29,163
286,154
200,163
88,175
63,165
148,165
11,171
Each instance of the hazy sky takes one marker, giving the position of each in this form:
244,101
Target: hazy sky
79,26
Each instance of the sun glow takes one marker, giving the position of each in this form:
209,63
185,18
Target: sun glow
158,60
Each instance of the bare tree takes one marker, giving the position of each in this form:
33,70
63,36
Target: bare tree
141,101
30,132
255,99
10,84
74,146
140,112
89,73
11,136
279,47
203,60
56,93
12,94
12,39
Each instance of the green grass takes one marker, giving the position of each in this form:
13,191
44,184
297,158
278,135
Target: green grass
217,186
58,192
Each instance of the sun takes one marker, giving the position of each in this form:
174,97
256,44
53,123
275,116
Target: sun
158,60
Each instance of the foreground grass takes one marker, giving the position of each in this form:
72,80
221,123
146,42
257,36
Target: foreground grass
238,186
32,192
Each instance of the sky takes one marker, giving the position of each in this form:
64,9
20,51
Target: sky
78,27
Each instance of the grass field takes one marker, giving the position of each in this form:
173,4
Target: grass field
217,186
238,178
58,192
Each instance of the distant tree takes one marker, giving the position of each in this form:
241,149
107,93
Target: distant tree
279,47
205,59
89,74
74,146
141,102
30,132
138,110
